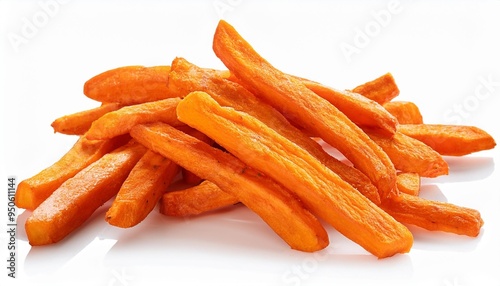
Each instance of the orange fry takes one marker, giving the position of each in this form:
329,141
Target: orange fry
450,140
321,190
33,191
122,120
185,78
202,198
305,108
410,155
381,90
409,183
434,215
283,212
78,123
76,199
129,85
406,112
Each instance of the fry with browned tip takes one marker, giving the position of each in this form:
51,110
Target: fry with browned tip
283,212
302,106
76,199
321,190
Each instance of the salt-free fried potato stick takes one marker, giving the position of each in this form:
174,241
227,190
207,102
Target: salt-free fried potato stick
32,191
450,140
78,123
382,89
122,120
142,190
284,213
406,112
321,190
129,85
410,155
302,106
434,215
202,198
75,200
186,77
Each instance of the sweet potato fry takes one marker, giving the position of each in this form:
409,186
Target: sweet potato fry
129,85
361,110
406,112
409,183
77,198
121,121
450,140
434,215
33,191
410,155
321,190
283,212
305,108
202,198
78,123
142,190
185,77
382,89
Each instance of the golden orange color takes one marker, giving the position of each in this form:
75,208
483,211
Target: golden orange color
450,140
323,192
142,190
31,192
122,120
185,78
434,215
129,85
195,200
382,89
300,105
78,123
283,212
77,198
406,112
409,183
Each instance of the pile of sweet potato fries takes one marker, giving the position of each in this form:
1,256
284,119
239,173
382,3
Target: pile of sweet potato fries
251,134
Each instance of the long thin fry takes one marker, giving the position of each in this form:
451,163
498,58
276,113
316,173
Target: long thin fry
434,215
142,190
382,89
283,212
450,140
121,121
76,199
129,85
78,123
406,112
32,191
304,107
321,190
185,77
202,198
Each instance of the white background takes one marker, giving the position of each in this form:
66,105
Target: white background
441,54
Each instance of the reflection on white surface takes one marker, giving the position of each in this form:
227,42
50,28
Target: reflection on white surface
439,53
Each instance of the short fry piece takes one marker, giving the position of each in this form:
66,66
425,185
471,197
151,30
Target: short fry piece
33,191
142,190
202,198
321,190
409,183
382,89
450,140
78,123
122,120
129,85
406,112
410,155
434,215
77,198
275,205
303,107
